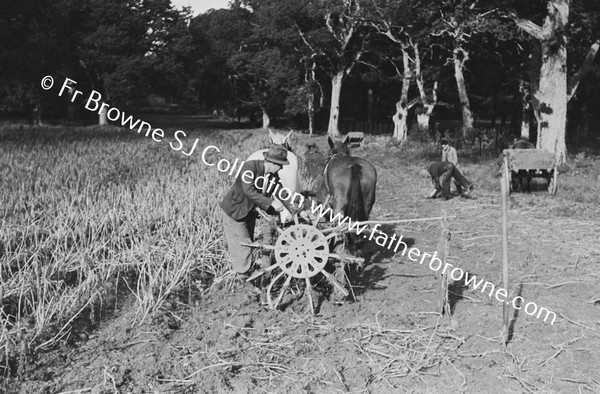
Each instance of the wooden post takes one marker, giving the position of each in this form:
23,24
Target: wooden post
443,279
504,194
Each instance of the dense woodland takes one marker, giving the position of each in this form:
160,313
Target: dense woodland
525,66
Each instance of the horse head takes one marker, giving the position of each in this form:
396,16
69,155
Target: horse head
337,147
281,139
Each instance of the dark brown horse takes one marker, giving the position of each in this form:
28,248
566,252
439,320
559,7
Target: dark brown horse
351,182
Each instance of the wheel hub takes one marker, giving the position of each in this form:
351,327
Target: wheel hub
301,251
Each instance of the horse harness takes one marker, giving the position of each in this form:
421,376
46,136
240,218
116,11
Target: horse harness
326,178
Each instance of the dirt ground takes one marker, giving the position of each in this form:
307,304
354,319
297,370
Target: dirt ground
389,339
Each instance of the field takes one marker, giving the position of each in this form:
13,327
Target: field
114,277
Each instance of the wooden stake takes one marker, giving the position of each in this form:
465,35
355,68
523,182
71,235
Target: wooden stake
443,279
504,194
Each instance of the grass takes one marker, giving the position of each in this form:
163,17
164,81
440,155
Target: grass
90,215
87,211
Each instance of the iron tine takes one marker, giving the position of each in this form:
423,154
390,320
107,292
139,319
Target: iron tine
282,291
335,282
309,296
270,287
261,272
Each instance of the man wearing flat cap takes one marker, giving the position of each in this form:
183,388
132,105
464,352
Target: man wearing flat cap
240,203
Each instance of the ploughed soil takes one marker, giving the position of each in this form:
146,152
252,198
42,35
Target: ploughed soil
389,339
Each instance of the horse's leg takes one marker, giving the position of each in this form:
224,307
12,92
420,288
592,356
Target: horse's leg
369,199
368,186
339,206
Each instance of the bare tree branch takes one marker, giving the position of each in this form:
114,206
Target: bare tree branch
529,27
414,102
315,53
303,37
586,66
394,64
387,31
370,65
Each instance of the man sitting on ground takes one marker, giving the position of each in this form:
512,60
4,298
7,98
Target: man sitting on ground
441,173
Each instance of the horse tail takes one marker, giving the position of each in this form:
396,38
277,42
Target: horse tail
356,208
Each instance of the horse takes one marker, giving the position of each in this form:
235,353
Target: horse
288,174
523,175
350,182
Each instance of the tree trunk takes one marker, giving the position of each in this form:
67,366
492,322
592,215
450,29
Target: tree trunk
526,108
552,92
551,95
103,113
102,118
334,112
38,114
460,56
71,106
399,118
369,104
71,112
311,84
424,117
428,105
311,112
266,121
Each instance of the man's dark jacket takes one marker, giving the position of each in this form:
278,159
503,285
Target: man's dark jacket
243,197
438,168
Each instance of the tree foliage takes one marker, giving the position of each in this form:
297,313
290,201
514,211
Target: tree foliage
123,49
281,55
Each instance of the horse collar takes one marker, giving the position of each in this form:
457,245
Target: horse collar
331,158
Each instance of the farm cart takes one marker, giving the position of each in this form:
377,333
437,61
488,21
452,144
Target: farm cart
519,164
301,252
354,139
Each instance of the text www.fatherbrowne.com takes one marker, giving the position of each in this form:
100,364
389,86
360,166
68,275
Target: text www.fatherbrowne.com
435,264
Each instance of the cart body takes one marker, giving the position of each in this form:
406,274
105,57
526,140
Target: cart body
522,164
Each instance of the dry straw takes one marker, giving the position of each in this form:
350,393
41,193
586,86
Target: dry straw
89,214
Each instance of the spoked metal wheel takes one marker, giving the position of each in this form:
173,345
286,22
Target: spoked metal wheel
301,252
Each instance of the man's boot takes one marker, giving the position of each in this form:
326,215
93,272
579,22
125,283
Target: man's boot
469,190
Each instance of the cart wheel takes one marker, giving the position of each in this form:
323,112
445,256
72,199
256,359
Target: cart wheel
553,183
